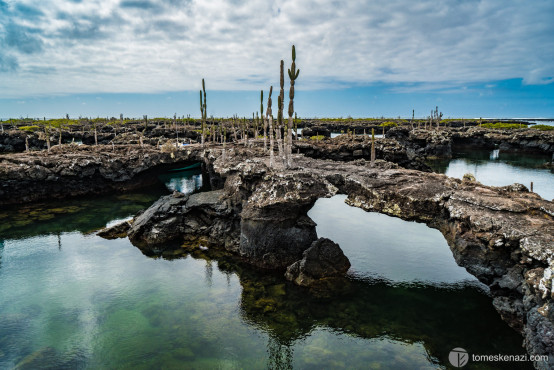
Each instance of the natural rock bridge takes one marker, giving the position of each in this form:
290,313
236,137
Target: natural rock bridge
504,236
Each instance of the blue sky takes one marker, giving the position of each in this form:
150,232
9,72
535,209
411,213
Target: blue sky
361,59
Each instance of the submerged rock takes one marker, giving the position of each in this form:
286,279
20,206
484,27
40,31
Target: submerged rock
115,232
324,259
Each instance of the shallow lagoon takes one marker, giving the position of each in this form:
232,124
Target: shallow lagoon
498,168
71,299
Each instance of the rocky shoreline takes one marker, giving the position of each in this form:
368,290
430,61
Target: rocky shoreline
442,143
72,170
502,235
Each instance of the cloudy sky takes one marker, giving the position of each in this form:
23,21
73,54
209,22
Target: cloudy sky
358,58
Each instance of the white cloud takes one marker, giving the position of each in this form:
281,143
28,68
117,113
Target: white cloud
56,47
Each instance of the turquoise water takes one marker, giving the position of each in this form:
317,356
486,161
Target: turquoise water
69,299
498,168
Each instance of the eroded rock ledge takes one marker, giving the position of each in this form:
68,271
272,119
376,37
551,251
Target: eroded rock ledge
441,143
72,170
504,236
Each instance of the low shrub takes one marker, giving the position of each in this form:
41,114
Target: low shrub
542,127
29,128
503,125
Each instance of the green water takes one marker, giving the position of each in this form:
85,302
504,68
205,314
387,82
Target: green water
498,168
69,299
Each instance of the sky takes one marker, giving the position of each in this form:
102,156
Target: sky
472,58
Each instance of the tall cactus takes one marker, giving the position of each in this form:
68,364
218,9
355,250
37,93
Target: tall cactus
280,107
203,110
269,117
293,75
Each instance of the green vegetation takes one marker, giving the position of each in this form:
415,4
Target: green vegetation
29,128
542,127
203,110
317,137
503,125
389,124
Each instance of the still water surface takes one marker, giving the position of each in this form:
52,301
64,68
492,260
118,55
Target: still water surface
69,299
499,168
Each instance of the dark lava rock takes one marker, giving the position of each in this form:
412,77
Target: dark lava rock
176,217
275,245
324,259
161,223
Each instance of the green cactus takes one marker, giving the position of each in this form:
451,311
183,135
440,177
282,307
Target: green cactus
293,75
203,110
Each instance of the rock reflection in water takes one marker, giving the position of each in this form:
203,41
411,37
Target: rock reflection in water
79,214
499,168
100,303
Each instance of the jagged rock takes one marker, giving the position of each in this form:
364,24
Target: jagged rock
442,142
177,216
73,170
160,223
324,259
347,148
274,245
497,234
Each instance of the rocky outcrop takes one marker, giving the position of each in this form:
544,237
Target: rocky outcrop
348,148
72,170
443,142
497,234
324,259
503,236
177,217
14,141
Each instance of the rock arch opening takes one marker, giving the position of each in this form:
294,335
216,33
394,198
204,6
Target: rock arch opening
386,248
